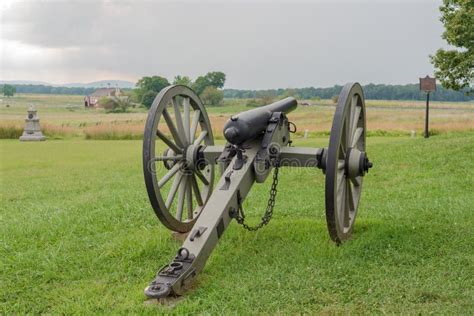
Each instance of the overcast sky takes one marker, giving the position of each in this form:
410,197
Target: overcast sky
264,44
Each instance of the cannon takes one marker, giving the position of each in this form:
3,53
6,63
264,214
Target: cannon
179,160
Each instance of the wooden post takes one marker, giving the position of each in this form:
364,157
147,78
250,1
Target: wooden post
427,115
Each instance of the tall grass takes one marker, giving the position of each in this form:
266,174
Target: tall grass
114,132
10,131
15,130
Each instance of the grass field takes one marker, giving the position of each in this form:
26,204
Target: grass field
78,235
64,116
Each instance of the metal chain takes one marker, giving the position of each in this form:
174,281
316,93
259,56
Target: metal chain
267,216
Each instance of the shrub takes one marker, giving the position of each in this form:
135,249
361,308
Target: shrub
115,104
212,96
335,98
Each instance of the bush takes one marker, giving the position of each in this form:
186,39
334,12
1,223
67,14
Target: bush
335,98
212,96
115,104
148,98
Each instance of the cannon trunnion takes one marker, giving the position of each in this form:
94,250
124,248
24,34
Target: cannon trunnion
179,156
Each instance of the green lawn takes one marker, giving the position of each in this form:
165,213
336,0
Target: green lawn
77,235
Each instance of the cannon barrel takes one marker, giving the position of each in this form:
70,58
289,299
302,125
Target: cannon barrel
249,124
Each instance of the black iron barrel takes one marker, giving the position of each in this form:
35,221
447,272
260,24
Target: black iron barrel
249,124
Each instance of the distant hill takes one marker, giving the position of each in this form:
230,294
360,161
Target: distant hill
25,82
95,84
102,84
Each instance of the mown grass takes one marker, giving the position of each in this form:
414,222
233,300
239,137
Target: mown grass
78,236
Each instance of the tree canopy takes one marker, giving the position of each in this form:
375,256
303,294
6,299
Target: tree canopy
149,87
9,90
183,80
455,67
154,83
214,79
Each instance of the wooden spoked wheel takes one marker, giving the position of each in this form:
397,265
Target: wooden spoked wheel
178,182
346,162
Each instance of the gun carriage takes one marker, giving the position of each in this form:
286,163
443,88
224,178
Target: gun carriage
186,199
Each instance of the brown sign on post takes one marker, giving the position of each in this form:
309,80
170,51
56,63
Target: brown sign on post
428,84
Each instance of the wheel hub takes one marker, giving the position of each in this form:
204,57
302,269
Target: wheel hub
357,163
195,157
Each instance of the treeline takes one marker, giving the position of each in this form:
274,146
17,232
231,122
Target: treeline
37,88
372,91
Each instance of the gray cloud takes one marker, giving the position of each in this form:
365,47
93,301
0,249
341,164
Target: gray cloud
258,45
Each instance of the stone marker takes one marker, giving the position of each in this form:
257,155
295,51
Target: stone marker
32,130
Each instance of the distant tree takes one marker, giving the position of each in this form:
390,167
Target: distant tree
154,83
212,96
215,79
183,80
148,98
9,90
200,84
455,67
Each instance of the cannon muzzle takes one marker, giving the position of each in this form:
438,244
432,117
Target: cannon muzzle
249,124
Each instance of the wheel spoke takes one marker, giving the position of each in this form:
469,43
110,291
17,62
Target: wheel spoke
173,190
356,181
351,197
352,109
354,121
341,197
342,150
187,117
189,197
172,128
169,175
347,203
168,142
194,125
341,164
347,125
200,138
196,190
177,114
202,177
167,158
357,134
181,193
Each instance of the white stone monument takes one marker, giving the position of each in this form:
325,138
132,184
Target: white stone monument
32,130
